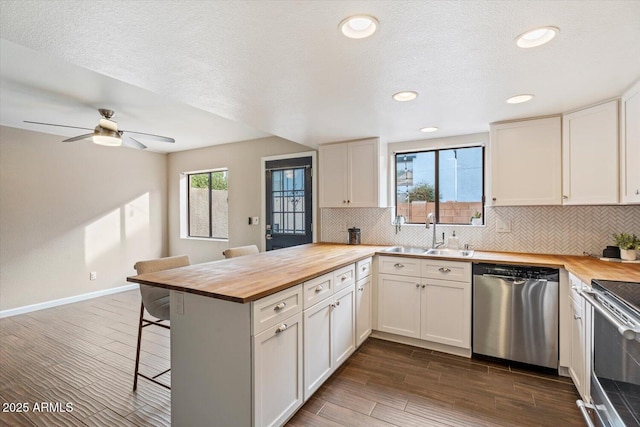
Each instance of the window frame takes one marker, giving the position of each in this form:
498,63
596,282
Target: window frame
188,176
436,184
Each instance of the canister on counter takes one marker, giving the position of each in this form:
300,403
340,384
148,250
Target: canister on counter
354,236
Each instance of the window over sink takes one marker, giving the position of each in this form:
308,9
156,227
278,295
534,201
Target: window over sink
447,182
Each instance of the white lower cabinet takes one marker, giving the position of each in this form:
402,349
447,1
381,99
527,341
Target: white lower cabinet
434,310
445,312
363,310
580,360
278,372
329,336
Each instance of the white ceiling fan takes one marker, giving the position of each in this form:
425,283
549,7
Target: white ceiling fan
107,133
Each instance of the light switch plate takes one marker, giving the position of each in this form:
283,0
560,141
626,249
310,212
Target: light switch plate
503,226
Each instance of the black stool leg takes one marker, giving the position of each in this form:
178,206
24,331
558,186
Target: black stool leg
135,376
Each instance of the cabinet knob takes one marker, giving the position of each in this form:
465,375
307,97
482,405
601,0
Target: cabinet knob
575,316
319,288
398,265
280,306
444,270
424,286
348,201
364,268
417,285
343,278
494,199
281,328
637,191
361,289
565,197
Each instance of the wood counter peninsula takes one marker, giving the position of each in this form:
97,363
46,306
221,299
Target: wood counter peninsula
237,330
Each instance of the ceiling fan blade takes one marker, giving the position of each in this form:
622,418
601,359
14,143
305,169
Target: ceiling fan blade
151,136
79,138
127,141
62,126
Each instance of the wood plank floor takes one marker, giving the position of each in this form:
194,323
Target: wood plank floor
83,354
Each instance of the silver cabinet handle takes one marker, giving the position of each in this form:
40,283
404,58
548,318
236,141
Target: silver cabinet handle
335,304
361,289
565,197
280,306
444,270
343,278
583,408
319,288
575,316
624,330
424,286
398,265
281,328
364,268
417,285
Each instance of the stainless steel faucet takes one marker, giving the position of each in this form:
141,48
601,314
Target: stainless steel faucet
432,219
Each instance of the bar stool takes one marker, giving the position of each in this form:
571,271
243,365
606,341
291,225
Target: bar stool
156,301
240,251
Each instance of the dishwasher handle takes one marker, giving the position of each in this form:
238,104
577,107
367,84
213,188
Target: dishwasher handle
514,280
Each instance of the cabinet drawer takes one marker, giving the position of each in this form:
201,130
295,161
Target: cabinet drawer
399,266
315,290
268,311
343,277
447,270
363,268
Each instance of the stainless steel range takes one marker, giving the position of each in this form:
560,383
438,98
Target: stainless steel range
615,376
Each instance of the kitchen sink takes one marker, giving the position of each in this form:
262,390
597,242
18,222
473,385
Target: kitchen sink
452,253
462,253
406,250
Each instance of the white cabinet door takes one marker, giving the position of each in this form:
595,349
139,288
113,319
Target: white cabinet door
278,372
446,312
343,326
577,366
363,174
333,174
317,346
590,155
399,305
363,310
526,163
630,146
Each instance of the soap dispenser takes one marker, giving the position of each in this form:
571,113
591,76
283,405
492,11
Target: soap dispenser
453,242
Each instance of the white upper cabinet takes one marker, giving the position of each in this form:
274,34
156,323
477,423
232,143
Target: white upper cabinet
526,163
630,146
590,155
352,174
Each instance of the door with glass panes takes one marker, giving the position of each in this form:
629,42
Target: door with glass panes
288,205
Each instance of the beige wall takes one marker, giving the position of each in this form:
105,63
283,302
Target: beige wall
70,208
243,160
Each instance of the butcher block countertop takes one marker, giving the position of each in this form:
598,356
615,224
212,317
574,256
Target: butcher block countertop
249,278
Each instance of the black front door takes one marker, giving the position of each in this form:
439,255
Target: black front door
288,204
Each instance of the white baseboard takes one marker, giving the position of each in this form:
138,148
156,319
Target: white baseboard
63,301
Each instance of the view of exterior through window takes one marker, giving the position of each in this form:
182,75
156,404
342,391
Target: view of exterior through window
208,204
455,175
288,198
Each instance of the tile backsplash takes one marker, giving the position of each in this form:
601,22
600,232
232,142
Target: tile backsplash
538,229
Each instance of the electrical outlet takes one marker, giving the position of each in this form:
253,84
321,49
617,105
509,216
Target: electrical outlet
503,226
256,220
93,275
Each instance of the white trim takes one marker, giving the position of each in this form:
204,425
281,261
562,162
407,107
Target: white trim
63,301
314,194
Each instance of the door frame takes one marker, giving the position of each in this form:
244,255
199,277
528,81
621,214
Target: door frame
314,192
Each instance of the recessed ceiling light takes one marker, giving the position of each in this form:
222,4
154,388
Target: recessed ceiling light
518,99
408,95
359,26
536,37
429,129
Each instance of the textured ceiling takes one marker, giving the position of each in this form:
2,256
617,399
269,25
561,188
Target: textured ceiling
283,68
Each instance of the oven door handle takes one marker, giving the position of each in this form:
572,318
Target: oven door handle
583,408
624,330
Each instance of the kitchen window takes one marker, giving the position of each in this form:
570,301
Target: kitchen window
207,207
447,182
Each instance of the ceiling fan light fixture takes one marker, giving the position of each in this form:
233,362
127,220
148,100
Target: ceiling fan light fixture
536,37
358,26
106,137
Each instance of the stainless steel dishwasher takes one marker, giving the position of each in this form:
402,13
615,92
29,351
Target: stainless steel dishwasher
515,313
